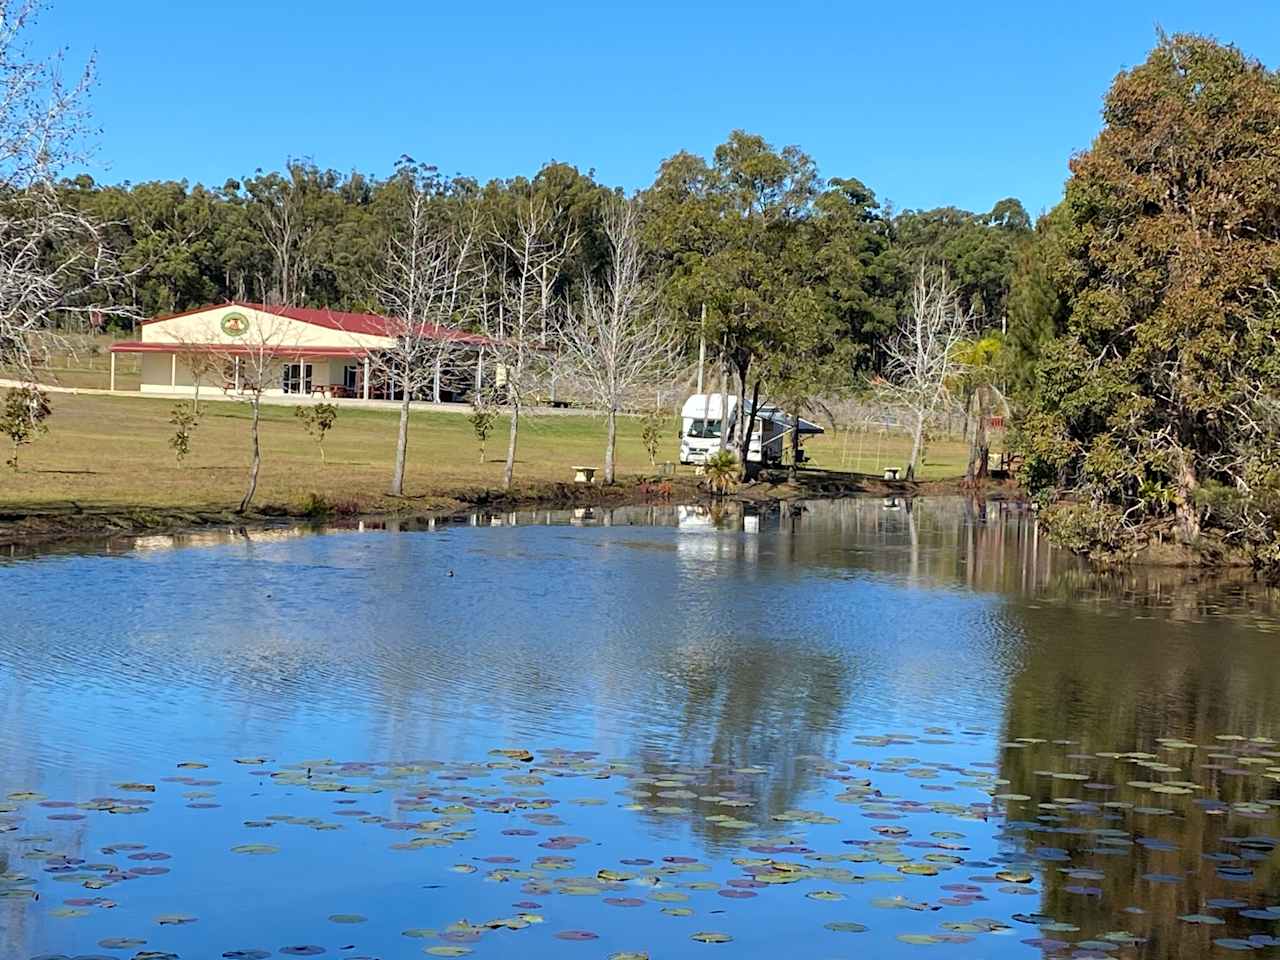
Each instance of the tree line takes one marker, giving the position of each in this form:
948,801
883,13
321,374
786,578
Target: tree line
310,236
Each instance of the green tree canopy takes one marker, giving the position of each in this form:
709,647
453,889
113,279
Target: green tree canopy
1170,234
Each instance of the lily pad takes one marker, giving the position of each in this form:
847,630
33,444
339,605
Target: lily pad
709,936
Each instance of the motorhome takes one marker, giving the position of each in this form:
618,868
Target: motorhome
703,423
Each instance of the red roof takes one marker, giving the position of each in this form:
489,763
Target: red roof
235,349
361,323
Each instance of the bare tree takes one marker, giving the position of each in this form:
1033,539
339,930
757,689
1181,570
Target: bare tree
427,292
528,258
200,363
616,339
922,354
256,356
56,268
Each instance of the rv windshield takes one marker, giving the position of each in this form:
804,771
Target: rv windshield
704,428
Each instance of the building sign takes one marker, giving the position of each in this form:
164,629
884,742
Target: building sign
235,324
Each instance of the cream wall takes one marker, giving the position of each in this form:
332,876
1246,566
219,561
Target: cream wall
156,376
264,328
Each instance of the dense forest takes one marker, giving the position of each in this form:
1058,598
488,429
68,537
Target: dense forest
315,237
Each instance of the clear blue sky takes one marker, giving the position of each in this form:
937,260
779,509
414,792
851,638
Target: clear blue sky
928,103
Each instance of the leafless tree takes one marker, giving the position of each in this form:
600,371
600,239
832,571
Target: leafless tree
426,290
256,356
535,252
200,363
922,360
56,267
616,339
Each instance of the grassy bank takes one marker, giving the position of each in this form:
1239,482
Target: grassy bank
112,453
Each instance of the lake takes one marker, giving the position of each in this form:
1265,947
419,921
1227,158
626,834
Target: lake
856,728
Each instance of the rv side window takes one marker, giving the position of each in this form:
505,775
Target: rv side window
704,428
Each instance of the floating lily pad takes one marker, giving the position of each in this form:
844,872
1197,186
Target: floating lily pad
708,936
255,849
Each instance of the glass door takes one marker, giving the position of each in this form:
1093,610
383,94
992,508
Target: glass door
297,378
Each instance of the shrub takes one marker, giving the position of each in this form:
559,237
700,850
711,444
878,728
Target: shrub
318,419
25,411
651,435
185,421
722,472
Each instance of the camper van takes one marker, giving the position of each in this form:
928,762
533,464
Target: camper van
703,423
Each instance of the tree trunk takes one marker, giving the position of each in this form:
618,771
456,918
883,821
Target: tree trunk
740,414
979,447
256,462
610,445
509,469
751,469
1184,500
917,441
402,449
795,447
724,406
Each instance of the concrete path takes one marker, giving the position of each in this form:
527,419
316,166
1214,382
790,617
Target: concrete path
218,396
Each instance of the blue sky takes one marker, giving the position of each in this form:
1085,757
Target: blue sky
928,103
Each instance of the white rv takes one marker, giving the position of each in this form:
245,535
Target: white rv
703,423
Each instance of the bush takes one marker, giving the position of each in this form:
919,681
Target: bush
722,472
318,419
1086,528
185,421
25,411
651,435
316,506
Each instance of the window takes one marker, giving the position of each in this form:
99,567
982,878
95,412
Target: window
350,377
704,428
297,378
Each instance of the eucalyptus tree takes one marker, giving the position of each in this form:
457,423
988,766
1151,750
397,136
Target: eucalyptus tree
726,233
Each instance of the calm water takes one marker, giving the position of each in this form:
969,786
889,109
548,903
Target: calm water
855,730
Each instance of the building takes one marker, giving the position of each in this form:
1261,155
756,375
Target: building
310,352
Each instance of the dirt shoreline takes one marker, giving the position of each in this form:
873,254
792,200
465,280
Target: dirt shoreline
35,526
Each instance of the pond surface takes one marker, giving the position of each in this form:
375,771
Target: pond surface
855,729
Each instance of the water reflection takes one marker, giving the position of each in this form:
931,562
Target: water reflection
692,644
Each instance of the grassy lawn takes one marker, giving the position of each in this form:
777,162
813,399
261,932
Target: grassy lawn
113,452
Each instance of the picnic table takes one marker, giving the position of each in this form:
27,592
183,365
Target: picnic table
584,474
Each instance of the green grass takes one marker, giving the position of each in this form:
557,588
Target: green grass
113,452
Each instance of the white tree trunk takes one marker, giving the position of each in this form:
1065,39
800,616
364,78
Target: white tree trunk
509,469
402,449
610,445
256,461
917,441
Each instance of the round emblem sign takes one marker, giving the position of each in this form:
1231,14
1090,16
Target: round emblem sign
235,324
